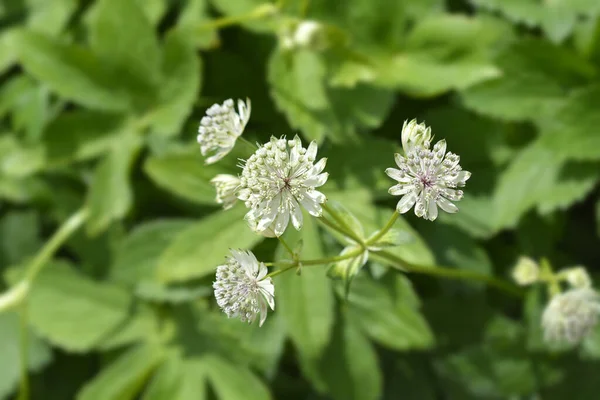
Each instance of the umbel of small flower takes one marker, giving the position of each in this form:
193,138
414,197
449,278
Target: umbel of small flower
570,316
242,289
220,128
277,179
427,179
226,185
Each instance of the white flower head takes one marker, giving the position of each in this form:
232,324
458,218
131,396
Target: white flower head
414,134
277,179
577,277
242,289
428,179
220,128
226,185
526,271
570,316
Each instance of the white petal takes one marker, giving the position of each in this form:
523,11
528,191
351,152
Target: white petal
406,202
318,180
462,177
311,206
311,153
397,175
263,313
446,205
440,149
318,167
400,161
281,222
400,189
316,196
217,156
432,210
296,215
262,271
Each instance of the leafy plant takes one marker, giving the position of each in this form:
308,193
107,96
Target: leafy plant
111,235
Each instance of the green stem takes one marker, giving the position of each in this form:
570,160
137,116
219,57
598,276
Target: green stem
287,247
23,352
342,227
52,245
552,279
319,261
259,12
450,273
385,229
38,263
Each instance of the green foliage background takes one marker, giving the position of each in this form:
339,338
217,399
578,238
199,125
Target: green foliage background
100,103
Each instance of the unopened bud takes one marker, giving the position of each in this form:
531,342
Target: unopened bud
526,271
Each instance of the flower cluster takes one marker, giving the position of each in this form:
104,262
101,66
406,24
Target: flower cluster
220,128
242,288
570,316
427,178
277,179
281,180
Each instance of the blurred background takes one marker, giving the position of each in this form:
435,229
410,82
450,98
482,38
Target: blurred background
100,102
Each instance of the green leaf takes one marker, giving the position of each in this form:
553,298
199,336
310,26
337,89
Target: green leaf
441,53
571,134
181,72
39,354
18,160
136,257
536,177
178,379
536,76
385,319
110,196
350,367
153,9
125,377
298,88
199,249
121,34
28,103
20,235
50,18
193,21
556,18
81,135
8,49
184,174
232,382
142,325
156,292
306,301
61,294
71,71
